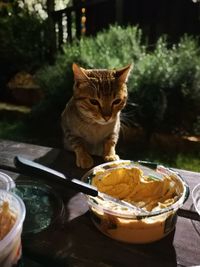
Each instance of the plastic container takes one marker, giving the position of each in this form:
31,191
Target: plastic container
196,197
6,182
10,245
128,225
43,206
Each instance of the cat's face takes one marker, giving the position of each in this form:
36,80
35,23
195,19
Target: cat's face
100,94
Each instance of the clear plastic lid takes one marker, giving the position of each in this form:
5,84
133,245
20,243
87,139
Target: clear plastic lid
6,182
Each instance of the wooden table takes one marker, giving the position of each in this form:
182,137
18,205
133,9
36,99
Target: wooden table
74,240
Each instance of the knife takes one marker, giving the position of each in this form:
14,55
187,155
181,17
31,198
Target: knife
30,167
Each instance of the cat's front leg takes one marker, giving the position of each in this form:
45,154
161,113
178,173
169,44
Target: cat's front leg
109,149
83,159
75,144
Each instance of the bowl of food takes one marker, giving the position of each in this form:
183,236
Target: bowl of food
12,214
6,182
153,197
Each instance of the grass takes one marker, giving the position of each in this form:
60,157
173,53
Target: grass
186,161
28,132
180,160
190,162
16,131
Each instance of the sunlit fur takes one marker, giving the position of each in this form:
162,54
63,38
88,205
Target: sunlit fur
91,119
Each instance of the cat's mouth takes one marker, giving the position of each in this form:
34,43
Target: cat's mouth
105,121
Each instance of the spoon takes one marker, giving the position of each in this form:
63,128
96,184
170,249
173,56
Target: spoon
33,168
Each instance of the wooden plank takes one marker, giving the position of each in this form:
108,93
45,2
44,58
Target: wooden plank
192,179
60,160
64,161
79,243
187,242
9,149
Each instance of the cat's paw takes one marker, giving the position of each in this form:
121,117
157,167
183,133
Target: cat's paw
111,157
85,161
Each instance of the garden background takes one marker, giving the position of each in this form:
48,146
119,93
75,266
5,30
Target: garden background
38,46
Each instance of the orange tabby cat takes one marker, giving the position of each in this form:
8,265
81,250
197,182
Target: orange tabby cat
91,118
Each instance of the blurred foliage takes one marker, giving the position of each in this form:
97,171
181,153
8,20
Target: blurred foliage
103,51
189,162
167,85
164,83
23,45
196,126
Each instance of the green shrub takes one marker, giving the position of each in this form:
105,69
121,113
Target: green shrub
165,81
106,50
196,126
22,46
166,85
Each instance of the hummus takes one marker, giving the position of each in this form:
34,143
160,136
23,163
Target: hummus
7,219
151,192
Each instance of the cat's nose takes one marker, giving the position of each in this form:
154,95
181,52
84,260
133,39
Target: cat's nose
106,118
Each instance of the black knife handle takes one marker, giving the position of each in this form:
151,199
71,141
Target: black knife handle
30,167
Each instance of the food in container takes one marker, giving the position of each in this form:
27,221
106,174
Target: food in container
7,219
12,214
158,194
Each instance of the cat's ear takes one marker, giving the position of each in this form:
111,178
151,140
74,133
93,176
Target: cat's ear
123,74
79,73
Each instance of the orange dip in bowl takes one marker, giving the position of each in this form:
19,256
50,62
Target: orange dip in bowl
159,196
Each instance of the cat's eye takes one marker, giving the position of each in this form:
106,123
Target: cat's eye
94,102
116,101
